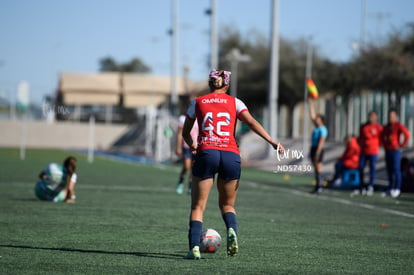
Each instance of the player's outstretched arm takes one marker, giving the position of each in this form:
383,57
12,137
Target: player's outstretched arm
256,127
311,109
70,189
70,192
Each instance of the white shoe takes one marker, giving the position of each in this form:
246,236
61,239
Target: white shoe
370,191
355,193
395,193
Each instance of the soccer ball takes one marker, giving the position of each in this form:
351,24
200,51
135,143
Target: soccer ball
210,241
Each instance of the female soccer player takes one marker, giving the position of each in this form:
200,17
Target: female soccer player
182,149
57,183
217,153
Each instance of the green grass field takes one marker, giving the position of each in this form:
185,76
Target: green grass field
128,220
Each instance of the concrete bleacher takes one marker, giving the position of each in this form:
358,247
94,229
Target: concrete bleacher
58,135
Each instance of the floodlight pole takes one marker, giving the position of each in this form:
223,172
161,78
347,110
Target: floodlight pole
213,36
363,17
308,74
235,56
274,72
91,139
174,55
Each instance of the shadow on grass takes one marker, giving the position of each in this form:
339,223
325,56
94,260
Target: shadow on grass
138,254
25,199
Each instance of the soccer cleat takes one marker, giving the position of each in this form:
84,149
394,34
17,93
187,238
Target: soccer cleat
316,191
180,188
193,254
232,245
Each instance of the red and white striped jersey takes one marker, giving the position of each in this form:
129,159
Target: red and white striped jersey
216,114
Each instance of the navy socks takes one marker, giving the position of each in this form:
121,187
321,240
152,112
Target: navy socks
318,179
194,233
196,228
230,220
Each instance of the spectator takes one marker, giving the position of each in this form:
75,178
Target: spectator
370,141
391,139
349,159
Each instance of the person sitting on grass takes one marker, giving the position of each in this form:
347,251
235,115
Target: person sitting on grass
349,159
57,183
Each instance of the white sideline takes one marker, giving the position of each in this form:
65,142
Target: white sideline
107,187
251,184
333,199
126,188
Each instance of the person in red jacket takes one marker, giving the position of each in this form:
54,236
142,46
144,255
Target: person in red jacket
391,140
349,159
370,141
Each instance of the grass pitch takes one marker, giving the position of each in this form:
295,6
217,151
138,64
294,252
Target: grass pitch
128,219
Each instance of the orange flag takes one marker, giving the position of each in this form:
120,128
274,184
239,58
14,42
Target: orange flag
312,90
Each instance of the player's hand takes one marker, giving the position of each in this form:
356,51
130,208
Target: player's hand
179,151
279,147
193,149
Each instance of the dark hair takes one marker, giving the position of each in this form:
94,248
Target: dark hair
372,112
218,79
392,110
70,164
322,117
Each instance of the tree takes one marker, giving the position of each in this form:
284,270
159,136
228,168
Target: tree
388,67
253,77
108,64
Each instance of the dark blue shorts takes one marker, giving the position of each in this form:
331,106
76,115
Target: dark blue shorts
313,154
210,162
187,153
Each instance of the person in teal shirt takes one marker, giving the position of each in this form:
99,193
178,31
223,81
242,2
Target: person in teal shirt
319,135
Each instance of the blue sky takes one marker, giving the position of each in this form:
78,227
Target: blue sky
41,38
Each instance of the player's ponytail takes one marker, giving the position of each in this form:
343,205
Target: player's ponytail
218,83
69,166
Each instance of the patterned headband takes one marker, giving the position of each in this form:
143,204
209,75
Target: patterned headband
214,74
